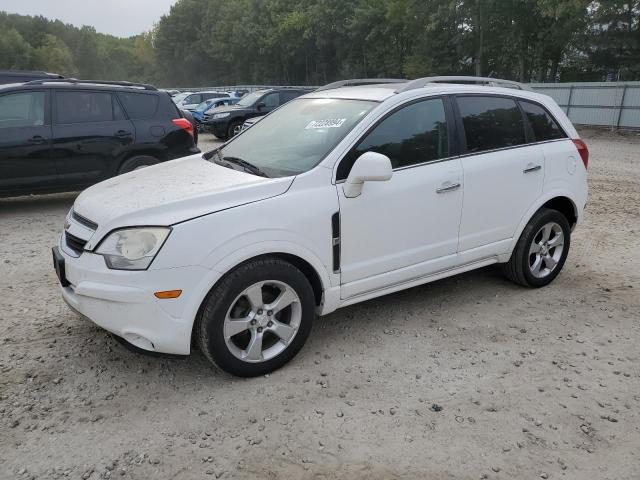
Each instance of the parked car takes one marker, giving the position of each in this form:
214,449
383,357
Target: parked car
194,124
342,195
206,108
227,122
192,100
20,76
64,135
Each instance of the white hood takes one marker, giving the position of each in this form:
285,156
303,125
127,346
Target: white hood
171,192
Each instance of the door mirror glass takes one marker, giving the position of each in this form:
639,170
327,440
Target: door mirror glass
369,167
260,106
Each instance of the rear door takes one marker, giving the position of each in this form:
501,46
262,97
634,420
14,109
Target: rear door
503,173
25,142
90,135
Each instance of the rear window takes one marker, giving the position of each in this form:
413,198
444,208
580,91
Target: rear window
139,105
542,123
491,123
81,107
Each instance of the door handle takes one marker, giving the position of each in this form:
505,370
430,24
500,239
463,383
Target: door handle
532,168
448,187
123,133
37,139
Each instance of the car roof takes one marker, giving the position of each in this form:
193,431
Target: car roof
78,85
381,92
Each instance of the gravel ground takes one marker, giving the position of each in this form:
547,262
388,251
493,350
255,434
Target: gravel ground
470,377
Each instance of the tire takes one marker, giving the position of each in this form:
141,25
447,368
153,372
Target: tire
235,317
232,131
137,162
541,251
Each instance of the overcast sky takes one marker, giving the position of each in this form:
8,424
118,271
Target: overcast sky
122,18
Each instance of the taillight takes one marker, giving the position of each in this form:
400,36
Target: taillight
583,151
184,124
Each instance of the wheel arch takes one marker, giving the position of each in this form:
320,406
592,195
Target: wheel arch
560,200
158,154
565,206
304,265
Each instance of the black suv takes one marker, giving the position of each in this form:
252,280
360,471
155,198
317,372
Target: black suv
225,122
65,135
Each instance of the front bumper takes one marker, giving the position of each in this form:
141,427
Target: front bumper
217,127
123,302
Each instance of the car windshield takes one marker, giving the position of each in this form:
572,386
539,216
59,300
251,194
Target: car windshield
250,99
296,137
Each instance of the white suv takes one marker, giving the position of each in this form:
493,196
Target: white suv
339,196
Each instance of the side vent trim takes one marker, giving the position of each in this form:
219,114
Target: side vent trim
335,241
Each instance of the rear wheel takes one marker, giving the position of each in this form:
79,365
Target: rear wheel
257,318
136,163
541,250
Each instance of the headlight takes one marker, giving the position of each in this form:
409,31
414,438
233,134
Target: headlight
220,115
132,248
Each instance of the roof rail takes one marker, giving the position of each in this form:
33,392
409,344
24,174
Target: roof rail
492,82
359,81
143,86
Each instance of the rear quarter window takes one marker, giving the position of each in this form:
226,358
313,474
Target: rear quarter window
139,105
542,123
491,122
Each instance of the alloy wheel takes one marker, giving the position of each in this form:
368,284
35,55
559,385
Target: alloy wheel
546,250
262,321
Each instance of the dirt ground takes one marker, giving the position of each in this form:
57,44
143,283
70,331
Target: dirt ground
470,377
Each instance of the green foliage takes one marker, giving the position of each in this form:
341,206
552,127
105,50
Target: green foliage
209,42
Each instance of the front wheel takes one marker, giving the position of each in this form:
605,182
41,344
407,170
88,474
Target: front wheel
257,318
234,129
541,250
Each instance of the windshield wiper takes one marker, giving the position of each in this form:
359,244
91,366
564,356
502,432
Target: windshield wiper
247,166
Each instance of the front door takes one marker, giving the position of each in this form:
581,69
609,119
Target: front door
90,135
405,228
25,141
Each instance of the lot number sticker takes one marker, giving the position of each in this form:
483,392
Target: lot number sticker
328,123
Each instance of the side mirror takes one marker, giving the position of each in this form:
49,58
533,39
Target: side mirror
369,167
260,106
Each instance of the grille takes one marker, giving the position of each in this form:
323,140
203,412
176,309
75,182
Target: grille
74,243
84,221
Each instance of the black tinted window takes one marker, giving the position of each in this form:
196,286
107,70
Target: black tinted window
139,105
80,107
491,122
207,96
289,95
271,100
415,134
543,125
22,109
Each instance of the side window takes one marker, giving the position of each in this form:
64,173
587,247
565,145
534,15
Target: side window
193,99
491,122
542,123
288,96
80,107
415,134
139,105
118,112
24,109
272,100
